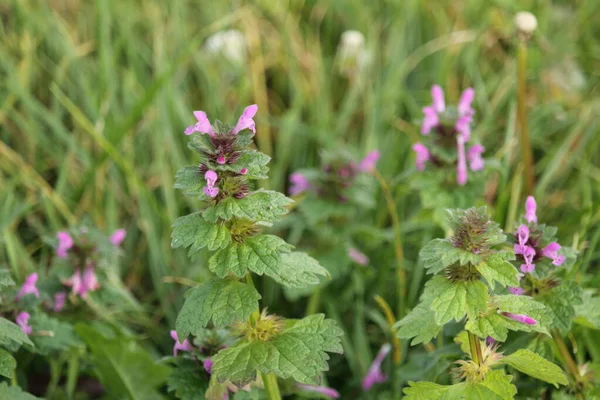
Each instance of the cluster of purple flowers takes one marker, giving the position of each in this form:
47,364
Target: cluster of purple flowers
450,124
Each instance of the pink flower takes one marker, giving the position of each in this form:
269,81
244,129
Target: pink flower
530,209
81,284
368,163
210,189
185,346
422,155
59,301
118,236
463,127
221,160
246,121
522,237
528,254
461,166
299,183
243,171
76,283
437,95
357,256
551,251
207,364
89,280
29,287
202,126
490,341
516,290
374,375
23,321
430,121
325,391
464,104
476,162
65,242
522,318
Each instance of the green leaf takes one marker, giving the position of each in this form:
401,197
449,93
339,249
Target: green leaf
255,163
560,303
262,205
469,391
14,393
186,380
122,366
7,364
535,366
500,383
192,230
190,180
58,336
493,325
11,332
424,391
260,254
588,312
440,253
496,268
5,278
298,352
221,300
462,339
455,299
297,270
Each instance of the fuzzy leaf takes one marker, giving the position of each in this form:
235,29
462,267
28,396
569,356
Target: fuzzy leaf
190,181
496,268
494,388
5,278
298,352
469,391
297,270
14,393
59,335
588,313
12,333
488,232
535,366
500,383
424,391
192,230
221,300
560,303
493,325
260,254
255,163
262,205
455,299
186,380
440,253
7,364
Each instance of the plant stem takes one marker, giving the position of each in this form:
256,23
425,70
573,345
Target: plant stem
271,387
526,153
391,320
314,301
400,272
475,347
565,354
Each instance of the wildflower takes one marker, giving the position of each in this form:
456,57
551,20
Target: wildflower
243,171
202,126
118,236
525,22
23,321
516,290
352,54
461,166
185,346
207,364
464,112
422,155
29,287
490,341
299,183
76,283
65,242
374,375
551,251
231,44
528,254
325,391
357,256
522,237
530,210
210,189
245,121
522,318
81,284
368,163
474,155
59,301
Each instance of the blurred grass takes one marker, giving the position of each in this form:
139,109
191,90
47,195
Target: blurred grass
94,98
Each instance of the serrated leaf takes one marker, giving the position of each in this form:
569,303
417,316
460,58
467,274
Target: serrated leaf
190,180
462,339
259,254
588,313
186,380
496,268
297,270
440,253
493,325
11,332
7,364
560,303
424,391
463,391
193,230
5,278
262,205
58,336
535,366
14,393
500,383
221,300
253,161
455,299
298,352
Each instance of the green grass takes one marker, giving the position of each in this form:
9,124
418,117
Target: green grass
94,98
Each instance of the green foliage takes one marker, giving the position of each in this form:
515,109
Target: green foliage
14,393
298,270
262,205
185,381
588,312
496,385
221,301
7,364
535,366
560,303
11,333
455,299
192,230
496,268
441,253
5,278
55,336
298,352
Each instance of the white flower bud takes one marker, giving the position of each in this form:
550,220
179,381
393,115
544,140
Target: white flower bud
230,44
525,22
352,54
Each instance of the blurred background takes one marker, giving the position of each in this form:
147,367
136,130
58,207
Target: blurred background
95,96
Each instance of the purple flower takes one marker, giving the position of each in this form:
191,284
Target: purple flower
374,375
243,171
464,104
528,254
185,346
516,290
207,364
221,160
210,189
59,301
246,121
23,321
65,242
530,209
490,341
29,287
368,163
118,236
551,251
430,121
461,166
522,237
202,126
437,95
463,127
81,284
357,256
299,183
522,318
474,155
422,155
325,391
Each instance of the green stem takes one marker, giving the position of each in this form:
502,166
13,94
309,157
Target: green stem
314,301
475,347
72,375
526,153
271,387
566,356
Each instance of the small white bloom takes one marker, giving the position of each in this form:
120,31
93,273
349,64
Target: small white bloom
352,54
526,22
230,44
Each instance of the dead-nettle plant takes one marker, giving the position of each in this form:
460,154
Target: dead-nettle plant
467,269
231,224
